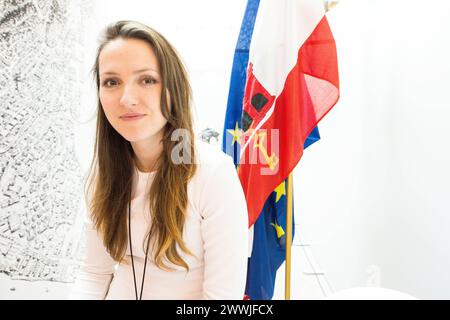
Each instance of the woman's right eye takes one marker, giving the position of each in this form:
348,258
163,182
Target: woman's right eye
109,83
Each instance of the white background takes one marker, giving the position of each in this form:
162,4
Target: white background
373,195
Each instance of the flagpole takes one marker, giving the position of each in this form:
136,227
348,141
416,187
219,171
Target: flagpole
287,282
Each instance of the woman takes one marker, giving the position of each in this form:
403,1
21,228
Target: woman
168,219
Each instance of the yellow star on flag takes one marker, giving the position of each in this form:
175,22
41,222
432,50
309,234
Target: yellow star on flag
236,133
280,190
278,229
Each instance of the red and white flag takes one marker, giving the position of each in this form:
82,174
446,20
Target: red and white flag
292,82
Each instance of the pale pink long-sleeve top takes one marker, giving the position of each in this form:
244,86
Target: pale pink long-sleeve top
215,231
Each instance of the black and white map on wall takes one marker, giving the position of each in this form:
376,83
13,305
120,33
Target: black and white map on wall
41,54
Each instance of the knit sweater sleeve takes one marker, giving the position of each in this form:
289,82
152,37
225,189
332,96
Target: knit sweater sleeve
97,268
224,229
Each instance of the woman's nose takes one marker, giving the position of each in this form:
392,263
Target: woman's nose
129,96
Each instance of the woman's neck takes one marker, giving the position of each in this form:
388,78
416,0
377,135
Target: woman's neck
146,154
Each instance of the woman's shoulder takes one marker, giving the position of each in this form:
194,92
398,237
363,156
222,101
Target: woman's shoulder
215,176
210,156
210,160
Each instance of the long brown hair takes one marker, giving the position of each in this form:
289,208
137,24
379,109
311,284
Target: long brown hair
111,172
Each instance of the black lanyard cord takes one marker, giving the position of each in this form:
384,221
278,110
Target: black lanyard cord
132,260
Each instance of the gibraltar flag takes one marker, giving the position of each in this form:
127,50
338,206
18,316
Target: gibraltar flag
292,83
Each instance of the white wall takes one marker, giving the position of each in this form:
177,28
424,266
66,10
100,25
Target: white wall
372,195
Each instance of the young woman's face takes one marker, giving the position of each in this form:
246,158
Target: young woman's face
130,84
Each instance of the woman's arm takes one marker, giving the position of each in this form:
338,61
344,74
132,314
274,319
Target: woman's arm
96,271
225,234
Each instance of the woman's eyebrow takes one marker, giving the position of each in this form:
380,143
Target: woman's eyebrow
134,72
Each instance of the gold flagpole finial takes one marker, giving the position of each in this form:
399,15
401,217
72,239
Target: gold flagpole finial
329,4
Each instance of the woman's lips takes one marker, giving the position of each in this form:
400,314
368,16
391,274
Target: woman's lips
132,118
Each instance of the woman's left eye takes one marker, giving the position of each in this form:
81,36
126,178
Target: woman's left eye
149,81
